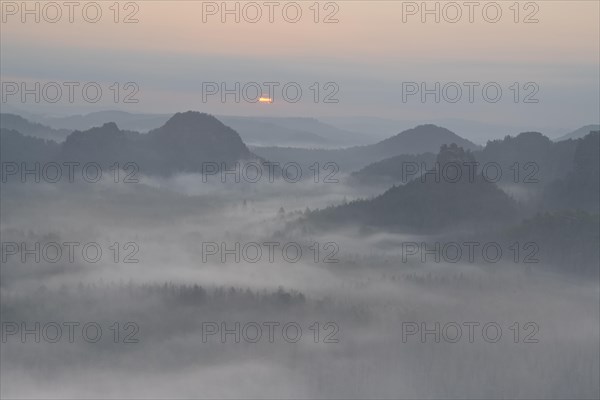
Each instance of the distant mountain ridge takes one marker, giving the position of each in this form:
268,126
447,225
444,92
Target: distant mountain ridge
421,139
523,158
182,144
579,133
130,121
293,131
281,131
259,131
17,123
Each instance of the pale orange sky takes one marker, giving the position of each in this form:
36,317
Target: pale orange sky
373,29
370,51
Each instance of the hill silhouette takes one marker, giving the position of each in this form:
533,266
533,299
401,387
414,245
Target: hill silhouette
182,144
421,139
429,203
529,157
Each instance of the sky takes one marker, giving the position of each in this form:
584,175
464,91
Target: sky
368,59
